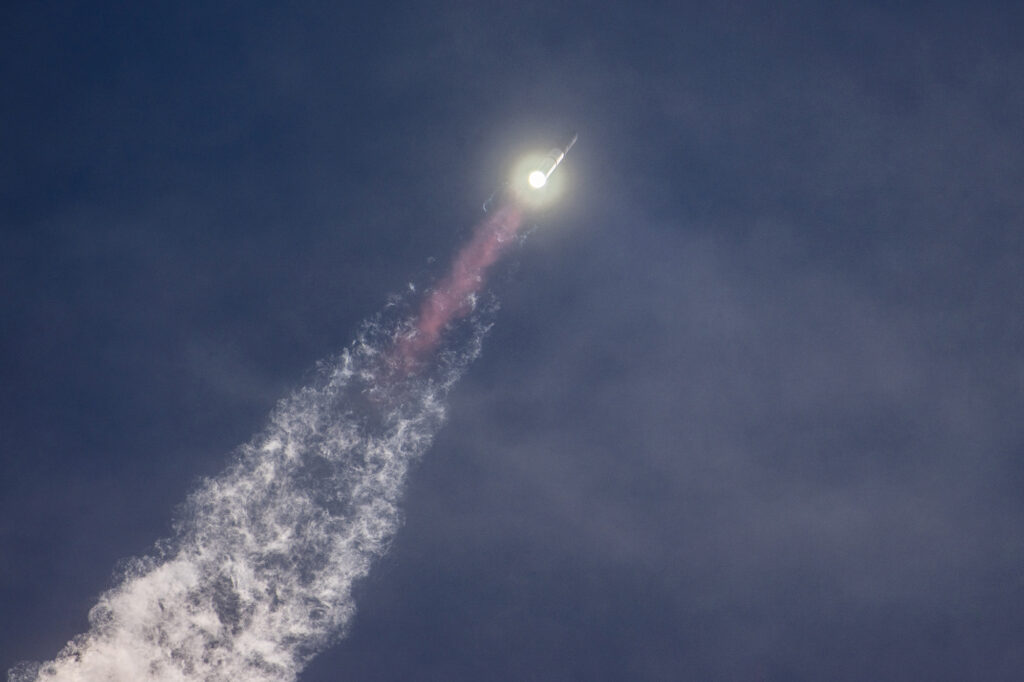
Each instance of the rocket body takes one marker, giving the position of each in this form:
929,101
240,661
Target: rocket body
527,186
552,160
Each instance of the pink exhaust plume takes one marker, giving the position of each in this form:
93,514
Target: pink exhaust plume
452,298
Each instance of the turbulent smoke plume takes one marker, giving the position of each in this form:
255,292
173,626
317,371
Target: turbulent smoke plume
259,575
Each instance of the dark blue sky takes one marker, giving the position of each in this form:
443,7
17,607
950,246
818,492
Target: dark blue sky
752,406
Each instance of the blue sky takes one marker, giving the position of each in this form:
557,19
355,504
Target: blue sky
751,405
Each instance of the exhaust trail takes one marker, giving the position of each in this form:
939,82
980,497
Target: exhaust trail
455,296
258,576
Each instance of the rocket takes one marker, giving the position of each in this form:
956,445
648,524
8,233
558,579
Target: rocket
539,176
528,182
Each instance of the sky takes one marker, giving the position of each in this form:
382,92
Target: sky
751,405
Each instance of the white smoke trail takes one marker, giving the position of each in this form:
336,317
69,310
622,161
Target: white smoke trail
260,573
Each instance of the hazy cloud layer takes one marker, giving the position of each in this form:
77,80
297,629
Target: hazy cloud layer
751,405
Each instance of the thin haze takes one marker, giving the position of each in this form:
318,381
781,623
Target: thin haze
751,410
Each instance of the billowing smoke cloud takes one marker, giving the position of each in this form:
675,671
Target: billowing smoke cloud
258,577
